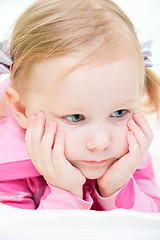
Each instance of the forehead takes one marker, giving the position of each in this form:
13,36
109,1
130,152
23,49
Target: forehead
115,80
50,71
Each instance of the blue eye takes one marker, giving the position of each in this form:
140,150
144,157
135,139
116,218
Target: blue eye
74,117
119,113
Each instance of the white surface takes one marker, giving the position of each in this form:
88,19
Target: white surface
118,224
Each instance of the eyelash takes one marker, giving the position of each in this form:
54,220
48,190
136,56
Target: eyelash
73,115
124,112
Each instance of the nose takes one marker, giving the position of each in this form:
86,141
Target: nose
99,140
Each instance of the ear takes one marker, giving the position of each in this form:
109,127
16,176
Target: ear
16,106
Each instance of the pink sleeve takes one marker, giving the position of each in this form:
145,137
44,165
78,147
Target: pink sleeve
141,193
16,193
56,198
34,193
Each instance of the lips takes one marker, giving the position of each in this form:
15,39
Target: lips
96,162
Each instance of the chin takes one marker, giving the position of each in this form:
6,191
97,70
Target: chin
92,174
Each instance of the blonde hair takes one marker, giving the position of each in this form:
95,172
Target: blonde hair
55,28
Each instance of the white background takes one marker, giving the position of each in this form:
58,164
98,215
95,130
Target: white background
145,14
119,224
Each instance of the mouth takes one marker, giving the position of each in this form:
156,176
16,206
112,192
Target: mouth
95,162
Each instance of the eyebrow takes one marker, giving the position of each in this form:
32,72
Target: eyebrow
128,105
80,108
128,102
74,107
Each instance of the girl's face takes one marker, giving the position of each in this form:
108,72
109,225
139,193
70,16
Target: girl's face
92,106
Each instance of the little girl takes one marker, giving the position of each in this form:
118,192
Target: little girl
71,132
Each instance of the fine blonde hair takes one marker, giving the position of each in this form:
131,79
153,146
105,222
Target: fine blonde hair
55,28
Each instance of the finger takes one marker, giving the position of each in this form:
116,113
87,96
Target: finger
133,144
134,152
37,128
138,133
142,122
47,142
48,137
34,136
28,134
58,149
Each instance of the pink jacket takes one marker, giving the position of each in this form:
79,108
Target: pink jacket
22,186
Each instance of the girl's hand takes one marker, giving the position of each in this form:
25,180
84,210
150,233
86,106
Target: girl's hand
46,150
139,139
